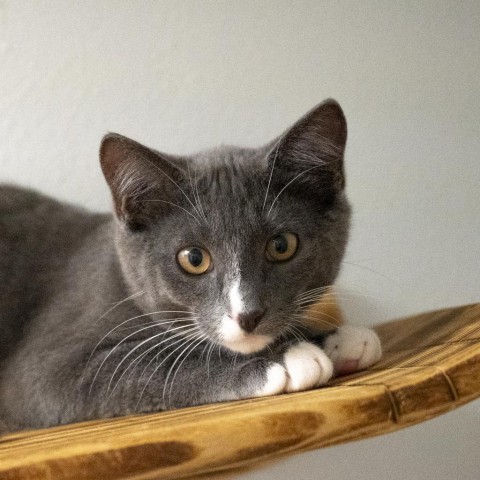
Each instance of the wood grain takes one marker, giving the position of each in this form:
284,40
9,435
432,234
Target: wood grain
431,365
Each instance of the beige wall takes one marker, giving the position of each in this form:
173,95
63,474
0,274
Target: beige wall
180,76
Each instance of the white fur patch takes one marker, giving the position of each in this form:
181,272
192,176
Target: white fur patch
353,348
276,383
307,366
236,300
236,339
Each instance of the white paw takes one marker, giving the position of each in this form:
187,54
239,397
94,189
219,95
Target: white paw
353,348
276,381
307,367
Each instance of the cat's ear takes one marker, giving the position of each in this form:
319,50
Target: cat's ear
141,180
310,153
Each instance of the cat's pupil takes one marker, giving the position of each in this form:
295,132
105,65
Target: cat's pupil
195,257
281,244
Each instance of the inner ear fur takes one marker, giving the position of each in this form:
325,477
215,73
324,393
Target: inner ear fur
312,152
142,181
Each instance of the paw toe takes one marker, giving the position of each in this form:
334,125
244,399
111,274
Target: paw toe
353,348
276,381
307,367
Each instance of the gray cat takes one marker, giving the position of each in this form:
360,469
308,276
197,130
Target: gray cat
192,292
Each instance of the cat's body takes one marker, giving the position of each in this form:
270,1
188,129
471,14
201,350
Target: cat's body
191,293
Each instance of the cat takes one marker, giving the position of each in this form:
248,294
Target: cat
191,292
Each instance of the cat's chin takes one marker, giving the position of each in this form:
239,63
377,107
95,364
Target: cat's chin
250,344
238,340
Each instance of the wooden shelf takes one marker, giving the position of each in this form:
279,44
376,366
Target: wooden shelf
431,365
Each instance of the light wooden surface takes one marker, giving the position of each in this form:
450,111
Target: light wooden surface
431,365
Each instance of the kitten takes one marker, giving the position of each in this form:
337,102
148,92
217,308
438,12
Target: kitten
192,292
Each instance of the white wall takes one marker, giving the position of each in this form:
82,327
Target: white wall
181,76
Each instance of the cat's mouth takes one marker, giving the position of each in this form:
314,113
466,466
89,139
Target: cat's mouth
233,337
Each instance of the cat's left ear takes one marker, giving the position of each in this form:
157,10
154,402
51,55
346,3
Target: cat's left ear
144,183
310,153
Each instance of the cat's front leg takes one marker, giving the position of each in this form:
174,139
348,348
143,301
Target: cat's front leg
309,364
198,378
301,366
306,365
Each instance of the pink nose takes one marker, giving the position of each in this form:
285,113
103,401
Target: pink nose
249,321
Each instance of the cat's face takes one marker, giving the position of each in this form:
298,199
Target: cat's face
234,236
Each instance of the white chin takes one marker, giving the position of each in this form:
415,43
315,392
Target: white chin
251,343
237,340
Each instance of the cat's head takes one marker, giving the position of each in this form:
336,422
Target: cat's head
234,236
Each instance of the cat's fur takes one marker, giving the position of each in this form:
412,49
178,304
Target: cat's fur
97,318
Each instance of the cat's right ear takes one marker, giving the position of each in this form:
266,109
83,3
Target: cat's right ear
308,157
139,178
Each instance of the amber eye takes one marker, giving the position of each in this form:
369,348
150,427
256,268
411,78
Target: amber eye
194,260
281,247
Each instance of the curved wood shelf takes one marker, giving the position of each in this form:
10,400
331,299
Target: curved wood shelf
431,365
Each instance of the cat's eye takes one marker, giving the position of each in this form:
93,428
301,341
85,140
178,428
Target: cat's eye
194,260
282,247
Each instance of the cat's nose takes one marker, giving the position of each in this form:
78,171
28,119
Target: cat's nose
249,320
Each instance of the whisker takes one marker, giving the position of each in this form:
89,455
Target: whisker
308,302
333,291
175,205
374,271
177,358
130,297
304,314
159,323
310,294
299,333
312,290
313,296
334,295
290,330
234,360
271,174
157,355
298,318
209,354
155,358
158,366
171,179
289,183
142,355
196,196
129,320
202,337
314,319
113,349
348,295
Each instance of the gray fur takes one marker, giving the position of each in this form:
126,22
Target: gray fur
67,275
